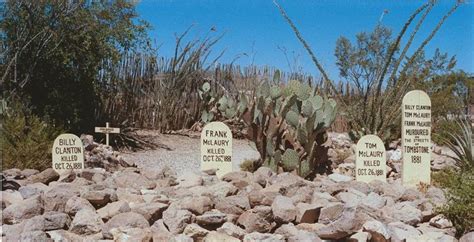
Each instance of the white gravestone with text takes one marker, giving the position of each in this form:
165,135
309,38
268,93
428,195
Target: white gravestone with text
68,153
370,159
416,138
216,148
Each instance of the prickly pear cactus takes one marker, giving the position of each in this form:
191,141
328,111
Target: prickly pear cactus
288,125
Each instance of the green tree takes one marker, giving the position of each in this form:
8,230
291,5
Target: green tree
53,52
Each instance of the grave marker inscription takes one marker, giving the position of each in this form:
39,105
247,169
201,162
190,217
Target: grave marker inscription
416,138
107,130
370,159
216,148
68,153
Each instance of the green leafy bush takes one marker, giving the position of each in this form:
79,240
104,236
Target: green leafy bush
26,141
459,183
460,194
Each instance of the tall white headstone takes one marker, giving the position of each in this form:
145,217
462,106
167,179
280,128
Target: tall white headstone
216,148
370,159
416,138
68,153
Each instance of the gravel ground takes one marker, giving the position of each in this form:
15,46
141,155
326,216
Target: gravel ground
181,153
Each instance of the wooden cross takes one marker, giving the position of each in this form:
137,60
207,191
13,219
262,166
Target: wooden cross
107,130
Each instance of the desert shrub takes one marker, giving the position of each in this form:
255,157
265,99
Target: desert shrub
26,141
381,69
459,187
249,165
459,183
442,127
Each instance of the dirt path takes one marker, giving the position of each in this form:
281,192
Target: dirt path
182,153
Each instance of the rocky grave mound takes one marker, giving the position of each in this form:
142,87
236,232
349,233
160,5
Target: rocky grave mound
112,199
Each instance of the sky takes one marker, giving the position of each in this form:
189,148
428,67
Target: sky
256,33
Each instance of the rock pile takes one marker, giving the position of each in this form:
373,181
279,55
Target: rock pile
153,204
115,200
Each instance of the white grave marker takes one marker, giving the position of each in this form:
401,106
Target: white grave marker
370,159
68,153
416,138
107,130
216,148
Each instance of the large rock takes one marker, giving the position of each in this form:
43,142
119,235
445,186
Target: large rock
151,211
196,232
130,179
468,237
189,179
374,201
75,204
330,213
377,230
10,197
440,222
56,198
22,210
176,219
214,236
50,221
292,233
406,212
307,213
45,176
113,209
160,232
99,198
131,234
33,189
212,219
123,221
233,204
283,209
258,219
64,235
401,232
232,230
86,222
197,205
256,236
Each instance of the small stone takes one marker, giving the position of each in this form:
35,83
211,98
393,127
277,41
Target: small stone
440,222
10,197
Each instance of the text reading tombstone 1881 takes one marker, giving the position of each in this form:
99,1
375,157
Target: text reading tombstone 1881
416,138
